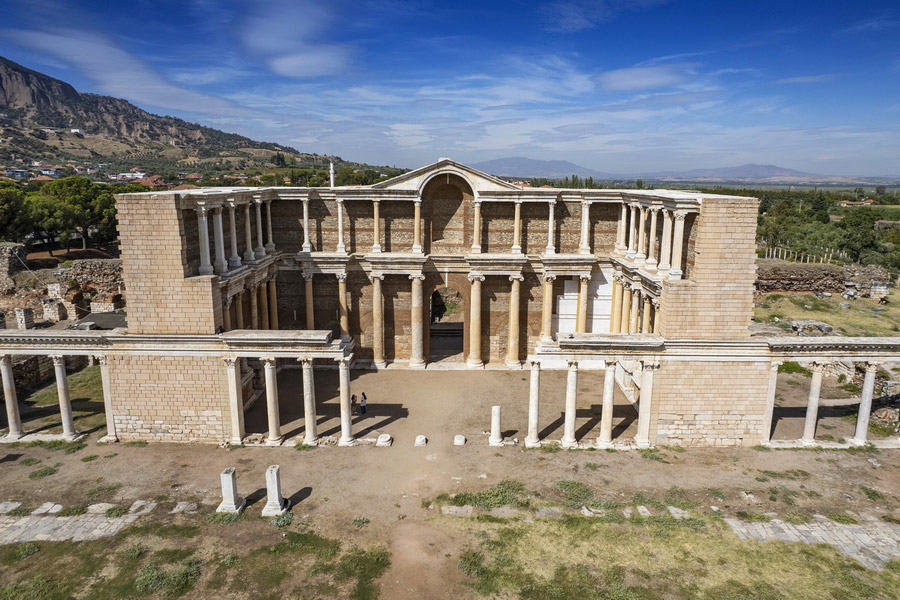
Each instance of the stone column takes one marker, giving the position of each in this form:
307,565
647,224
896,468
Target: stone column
307,243
235,399
343,314
812,407
273,305
645,321
678,244
644,401
635,309
65,403
417,355
10,398
276,504
310,435
341,247
651,252
275,438
417,226
568,439
239,309
626,308
476,229
496,438
632,232
615,321
221,264
865,406
642,236
656,303
606,414
770,402
534,398
346,418
547,306
203,225
226,315
621,230
378,321
308,292
551,229
512,346
584,246
665,254
270,243
517,228
581,317
260,250
234,261
254,308
475,321
263,306
249,254
376,227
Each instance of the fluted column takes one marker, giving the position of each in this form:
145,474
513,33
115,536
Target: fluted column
476,229
347,438
254,308
226,315
10,398
641,253
235,399
263,306
812,407
307,243
656,304
581,316
341,247
551,228
270,241
273,305
249,254
377,321
665,255
635,313
475,321
308,299
310,435
343,313
512,347
274,416
239,309
651,251
417,226
517,229
203,225
606,414
621,230
547,306
221,264
260,249
865,406
615,319
678,244
376,227
584,246
632,232
534,398
646,324
65,402
770,402
644,404
626,307
417,355
234,261
568,439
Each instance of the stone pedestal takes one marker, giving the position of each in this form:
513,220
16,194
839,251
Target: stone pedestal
231,502
276,504
496,438
25,318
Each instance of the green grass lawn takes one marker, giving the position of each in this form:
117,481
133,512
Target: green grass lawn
86,392
861,319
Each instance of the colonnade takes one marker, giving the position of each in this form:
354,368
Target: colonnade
634,309
263,300
638,238
222,265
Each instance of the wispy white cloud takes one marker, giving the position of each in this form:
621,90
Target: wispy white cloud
881,22
643,78
570,16
809,78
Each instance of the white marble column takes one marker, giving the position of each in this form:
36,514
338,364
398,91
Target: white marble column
475,321
632,232
221,264
812,407
111,435
347,438
343,311
621,230
517,228
581,316
377,321
551,228
376,227
249,254
651,251
235,399
677,245
865,406
770,402
270,240
641,253
476,229
260,250
234,261
417,354
534,399
10,398
65,402
606,414
307,243
547,306
568,439
584,246
310,435
341,247
275,438
644,404
665,254
417,226
512,345
203,225
496,438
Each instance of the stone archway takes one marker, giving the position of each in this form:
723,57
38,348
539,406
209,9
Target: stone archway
447,204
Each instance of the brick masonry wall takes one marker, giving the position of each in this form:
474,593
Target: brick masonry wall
709,403
188,404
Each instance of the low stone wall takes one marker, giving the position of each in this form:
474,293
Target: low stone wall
780,276
97,273
10,263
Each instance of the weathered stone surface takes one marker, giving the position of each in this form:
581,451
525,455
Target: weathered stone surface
458,511
12,260
421,440
459,440
384,440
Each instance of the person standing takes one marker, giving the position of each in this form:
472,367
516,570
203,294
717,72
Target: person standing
362,403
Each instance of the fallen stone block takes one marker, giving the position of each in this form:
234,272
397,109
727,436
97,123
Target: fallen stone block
643,511
457,511
678,513
421,440
100,508
184,507
7,506
384,440
459,440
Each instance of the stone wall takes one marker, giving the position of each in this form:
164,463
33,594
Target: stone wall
188,404
31,372
12,256
781,276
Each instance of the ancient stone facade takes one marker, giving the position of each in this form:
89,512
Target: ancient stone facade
12,260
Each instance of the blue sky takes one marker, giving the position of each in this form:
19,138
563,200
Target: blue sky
621,86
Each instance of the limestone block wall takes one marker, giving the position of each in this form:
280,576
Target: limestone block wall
701,403
716,300
169,398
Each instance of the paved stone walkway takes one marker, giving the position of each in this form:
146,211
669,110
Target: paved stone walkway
872,544
43,524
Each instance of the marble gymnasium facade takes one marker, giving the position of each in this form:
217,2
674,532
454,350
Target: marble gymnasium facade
226,286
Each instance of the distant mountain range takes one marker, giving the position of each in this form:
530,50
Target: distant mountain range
519,166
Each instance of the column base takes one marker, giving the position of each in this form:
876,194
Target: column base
640,257
417,365
249,256
313,442
9,437
342,248
379,364
675,273
71,437
270,248
275,509
513,364
376,249
494,442
277,442
603,445
584,250
663,268
650,266
808,443
532,443
475,364
642,444
476,249
111,439
417,248
347,442
234,262
237,507
568,444
856,442
206,270
550,250
630,254
516,249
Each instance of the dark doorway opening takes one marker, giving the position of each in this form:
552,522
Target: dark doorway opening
447,326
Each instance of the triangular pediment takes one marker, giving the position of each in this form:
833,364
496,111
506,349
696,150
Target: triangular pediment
416,180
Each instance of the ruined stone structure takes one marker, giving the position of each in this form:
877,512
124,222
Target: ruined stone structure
228,285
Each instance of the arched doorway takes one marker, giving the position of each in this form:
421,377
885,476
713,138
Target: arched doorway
446,326
447,201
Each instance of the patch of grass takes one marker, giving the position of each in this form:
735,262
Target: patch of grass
303,447
102,490
890,519
652,454
576,493
29,462
761,448
282,520
116,511
134,552
881,429
23,551
89,458
471,563
871,493
229,561
717,494
506,493
360,522
851,388
792,474
798,517
783,493
591,466
57,445
642,499
792,367
20,511
550,448
135,444
843,519
175,582
752,517
72,511
222,518
43,472
365,566
677,497
36,588
113,455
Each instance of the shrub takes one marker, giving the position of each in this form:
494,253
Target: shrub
282,520
360,522
792,367
223,518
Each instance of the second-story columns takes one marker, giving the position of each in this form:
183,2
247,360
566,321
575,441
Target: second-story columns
651,251
273,305
666,246
417,226
249,254
221,264
270,241
476,229
417,353
206,267
474,359
234,261
622,230
584,246
615,319
626,307
581,315
343,314
547,306
517,229
551,228
341,247
377,321
376,227
512,350
632,232
675,272
307,243
635,312
641,253
260,250
254,307
308,299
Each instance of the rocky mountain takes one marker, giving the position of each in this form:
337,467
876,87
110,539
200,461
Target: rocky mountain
748,171
520,166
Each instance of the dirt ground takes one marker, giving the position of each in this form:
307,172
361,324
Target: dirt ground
391,487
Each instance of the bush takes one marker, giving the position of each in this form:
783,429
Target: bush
360,522
223,518
282,520
872,494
